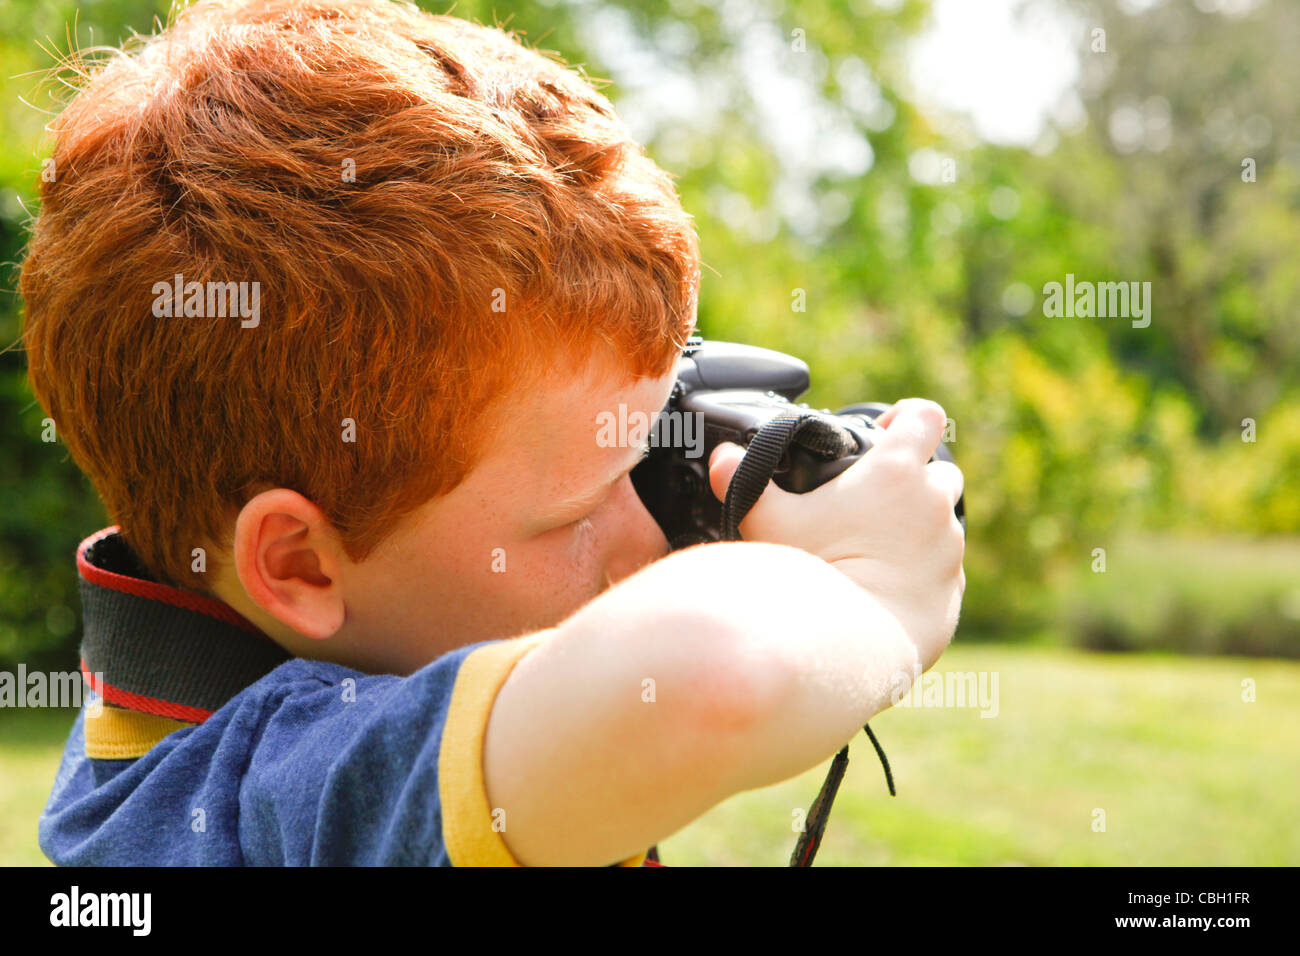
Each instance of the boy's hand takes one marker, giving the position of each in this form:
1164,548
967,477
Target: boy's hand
887,522
749,691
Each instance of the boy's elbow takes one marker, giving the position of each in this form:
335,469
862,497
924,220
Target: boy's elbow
741,652
734,694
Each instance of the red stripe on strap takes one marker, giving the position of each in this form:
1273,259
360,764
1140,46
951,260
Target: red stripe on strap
148,705
154,591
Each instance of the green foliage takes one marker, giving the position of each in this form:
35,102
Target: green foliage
796,147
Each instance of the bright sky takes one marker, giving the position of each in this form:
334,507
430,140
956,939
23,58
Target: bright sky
981,58
1004,67
1005,71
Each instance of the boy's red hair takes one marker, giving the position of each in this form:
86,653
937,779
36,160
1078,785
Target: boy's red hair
486,177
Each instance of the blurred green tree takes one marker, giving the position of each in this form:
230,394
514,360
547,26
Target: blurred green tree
842,224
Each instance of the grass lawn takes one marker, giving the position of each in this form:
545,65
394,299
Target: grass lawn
1185,771
31,742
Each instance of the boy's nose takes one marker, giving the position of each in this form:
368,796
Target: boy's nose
638,541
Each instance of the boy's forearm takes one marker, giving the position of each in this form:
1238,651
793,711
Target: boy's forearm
844,658
715,670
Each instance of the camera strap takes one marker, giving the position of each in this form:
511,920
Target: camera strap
823,437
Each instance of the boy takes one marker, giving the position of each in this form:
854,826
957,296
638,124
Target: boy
327,297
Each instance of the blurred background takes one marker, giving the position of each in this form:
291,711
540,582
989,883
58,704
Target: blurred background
884,188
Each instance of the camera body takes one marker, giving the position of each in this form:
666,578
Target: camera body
726,392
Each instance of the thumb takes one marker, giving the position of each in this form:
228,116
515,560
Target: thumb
722,465
769,518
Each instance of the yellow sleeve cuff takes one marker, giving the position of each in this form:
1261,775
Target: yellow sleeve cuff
467,820
113,733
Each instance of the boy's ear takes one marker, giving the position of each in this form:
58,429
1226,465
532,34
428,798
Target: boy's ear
288,558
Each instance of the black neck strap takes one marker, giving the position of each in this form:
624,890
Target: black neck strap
158,649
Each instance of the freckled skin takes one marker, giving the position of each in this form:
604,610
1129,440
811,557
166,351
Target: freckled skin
431,587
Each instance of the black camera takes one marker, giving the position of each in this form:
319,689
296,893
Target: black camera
727,392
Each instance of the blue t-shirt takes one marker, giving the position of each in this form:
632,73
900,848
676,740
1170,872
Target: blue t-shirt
313,764
204,745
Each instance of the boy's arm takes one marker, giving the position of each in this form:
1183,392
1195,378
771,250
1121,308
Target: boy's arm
729,666
654,702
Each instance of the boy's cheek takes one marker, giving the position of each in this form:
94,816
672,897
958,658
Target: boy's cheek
482,585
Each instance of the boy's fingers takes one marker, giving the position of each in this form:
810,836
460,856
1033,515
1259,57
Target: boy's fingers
722,465
913,428
766,521
947,476
887,416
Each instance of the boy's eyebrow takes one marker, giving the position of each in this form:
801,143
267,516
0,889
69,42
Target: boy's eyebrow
592,496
